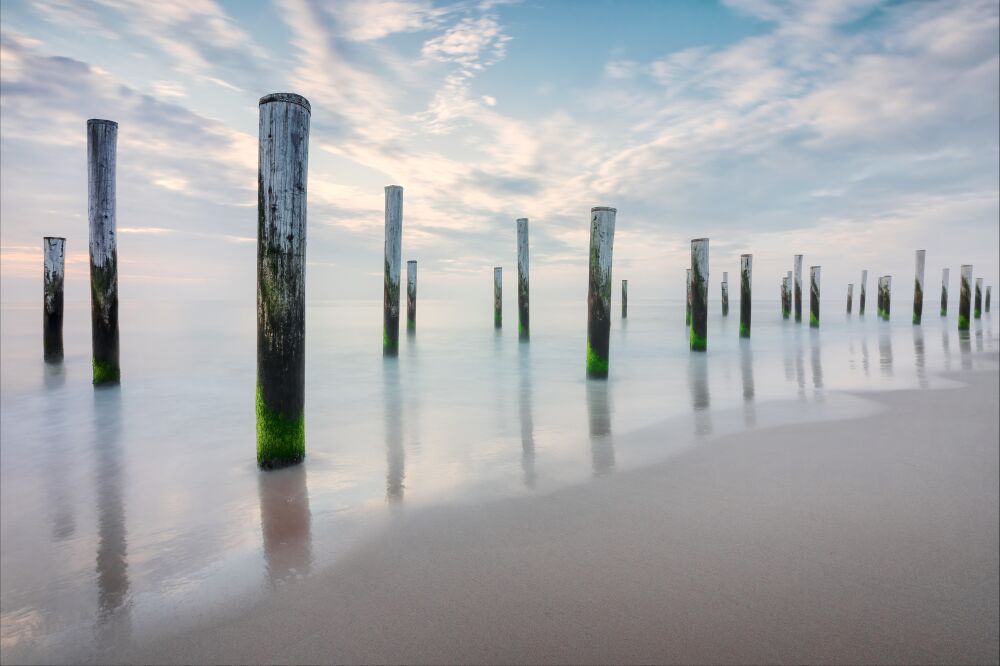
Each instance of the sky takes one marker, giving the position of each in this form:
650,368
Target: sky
853,132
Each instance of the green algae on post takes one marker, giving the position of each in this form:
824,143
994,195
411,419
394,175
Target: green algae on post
886,297
880,306
523,327
102,142
411,294
977,311
281,271
864,294
53,278
625,299
944,291
965,297
918,288
797,285
497,297
746,267
699,294
390,282
687,311
725,293
814,296
602,239
850,296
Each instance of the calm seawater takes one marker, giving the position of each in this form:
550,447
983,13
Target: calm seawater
130,511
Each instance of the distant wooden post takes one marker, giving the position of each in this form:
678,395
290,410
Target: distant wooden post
864,289
390,283
879,298
987,299
53,277
977,312
523,328
850,296
725,293
411,294
687,311
797,296
944,291
746,268
497,297
602,239
102,150
918,288
699,294
786,297
814,296
625,299
965,297
281,271
887,297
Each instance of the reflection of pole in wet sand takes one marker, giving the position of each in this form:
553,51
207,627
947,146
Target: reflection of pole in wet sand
395,455
700,399
527,422
285,521
789,363
746,370
58,463
885,352
113,601
965,348
817,363
946,348
918,354
864,354
800,365
602,448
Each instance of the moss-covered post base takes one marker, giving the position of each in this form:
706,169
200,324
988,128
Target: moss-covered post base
965,297
497,297
797,288
864,293
746,270
699,294
390,282
918,288
725,293
625,299
411,295
945,275
602,239
53,278
814,296
523,327
977,311
102,156
281,272
850,297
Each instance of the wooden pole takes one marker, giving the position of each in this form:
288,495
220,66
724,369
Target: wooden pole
944,291
497,297
390,283
918,288
281,271
786,297
102,150
625,299
964,297
814,296
699,294
887,297
977,311
53,277
864,289
725,293
987,299
602,239
797,284
411,294
850,297
746,268
523,328
687,311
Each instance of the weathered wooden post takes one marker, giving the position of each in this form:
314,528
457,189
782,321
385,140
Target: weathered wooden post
624,299
746,267
687,310
725,293
786,297
814,296
797,284
411,294
53,275
523,328
497,297
887,297
602,239
977,311
850,296
393,253
864,290
918,288
964,297
944,291
281,278
102,150
699,294
880,307
987,299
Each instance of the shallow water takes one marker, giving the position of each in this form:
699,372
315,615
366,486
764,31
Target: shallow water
130,511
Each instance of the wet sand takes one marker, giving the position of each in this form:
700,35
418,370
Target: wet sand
870,540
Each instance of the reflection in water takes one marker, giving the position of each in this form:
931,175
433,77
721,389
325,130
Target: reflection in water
58,452
864,354
816,362
965,349
800,366
885,352
602,448
114,624
700,401
979,336
946,347
918,354
527,423
746,370
285,521
395,455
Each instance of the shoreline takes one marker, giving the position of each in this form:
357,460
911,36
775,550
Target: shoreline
872,539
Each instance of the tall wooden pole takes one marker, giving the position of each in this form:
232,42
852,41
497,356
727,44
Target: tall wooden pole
725,293
977,311
523,327
987,299
602,239
53,277
887,297
864,289
102,149
746,268
965,297
918,288
497,297
625,299
699,294
687,311
411,294
786,297
390,281
944,291
281,278
814,296
850,297
797,284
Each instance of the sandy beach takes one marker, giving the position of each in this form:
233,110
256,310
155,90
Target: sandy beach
872,540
